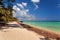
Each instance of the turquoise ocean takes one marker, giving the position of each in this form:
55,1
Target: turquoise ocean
53,26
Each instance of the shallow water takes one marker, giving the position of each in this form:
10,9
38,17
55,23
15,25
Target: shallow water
54,26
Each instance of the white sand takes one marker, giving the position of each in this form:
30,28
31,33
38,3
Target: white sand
17,34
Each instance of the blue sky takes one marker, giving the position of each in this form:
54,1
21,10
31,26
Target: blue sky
43,10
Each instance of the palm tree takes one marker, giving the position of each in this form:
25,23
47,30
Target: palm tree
6,13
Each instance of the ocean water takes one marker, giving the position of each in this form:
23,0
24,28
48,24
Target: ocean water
53,26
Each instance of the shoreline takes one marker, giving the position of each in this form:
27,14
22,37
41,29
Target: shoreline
40,31
40,27
27,32
43,28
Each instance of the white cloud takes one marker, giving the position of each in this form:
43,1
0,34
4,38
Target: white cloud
35,3
36,6
22,13
20,5
16,8
24,4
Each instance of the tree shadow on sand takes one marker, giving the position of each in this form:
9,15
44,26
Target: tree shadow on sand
13,25
3,26
6,26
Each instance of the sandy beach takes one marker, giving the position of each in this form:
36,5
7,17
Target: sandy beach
20,31
18,34
43,32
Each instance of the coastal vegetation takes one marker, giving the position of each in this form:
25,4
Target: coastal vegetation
6,14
